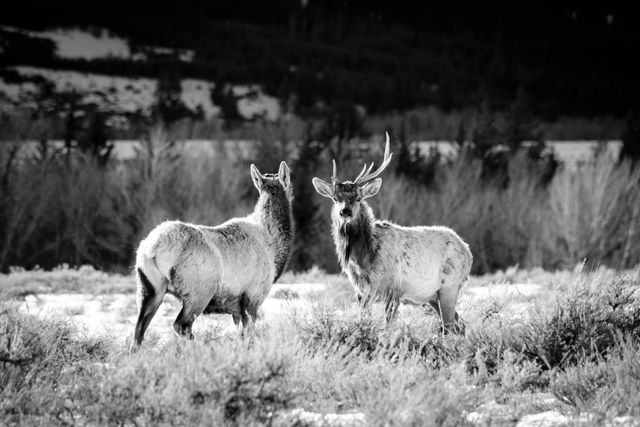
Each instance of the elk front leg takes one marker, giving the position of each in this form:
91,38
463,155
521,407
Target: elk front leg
364,299
245,309
148,300
392,303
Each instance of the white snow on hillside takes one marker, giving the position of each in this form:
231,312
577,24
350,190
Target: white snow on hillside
252,103
80,44
129,95
15,93
76,43
120,94
198,93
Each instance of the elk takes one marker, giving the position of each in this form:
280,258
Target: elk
385,261
228,268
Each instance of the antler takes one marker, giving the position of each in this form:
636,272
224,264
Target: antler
334,176
366,174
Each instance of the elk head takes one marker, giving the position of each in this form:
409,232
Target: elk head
273,183
347,196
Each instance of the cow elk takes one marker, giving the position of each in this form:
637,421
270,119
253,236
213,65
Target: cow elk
224,269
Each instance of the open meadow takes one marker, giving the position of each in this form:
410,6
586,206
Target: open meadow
540,348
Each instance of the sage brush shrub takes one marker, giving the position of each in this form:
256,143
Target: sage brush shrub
40,361
606,386
360,333
584,325
193,384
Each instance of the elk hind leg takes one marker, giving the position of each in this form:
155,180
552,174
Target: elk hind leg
149,299
447,299
195,292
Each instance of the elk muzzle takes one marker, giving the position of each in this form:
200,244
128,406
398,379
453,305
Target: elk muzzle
345,213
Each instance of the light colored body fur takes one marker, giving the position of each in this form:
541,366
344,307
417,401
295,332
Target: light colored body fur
388,262
228,268
416,265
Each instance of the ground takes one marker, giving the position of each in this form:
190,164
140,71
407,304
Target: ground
540,348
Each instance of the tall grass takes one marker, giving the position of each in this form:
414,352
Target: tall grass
60,208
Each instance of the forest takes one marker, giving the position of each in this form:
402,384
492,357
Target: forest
569,59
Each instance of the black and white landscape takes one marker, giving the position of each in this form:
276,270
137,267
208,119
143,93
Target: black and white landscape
517,127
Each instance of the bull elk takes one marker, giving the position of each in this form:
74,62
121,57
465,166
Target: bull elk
385,261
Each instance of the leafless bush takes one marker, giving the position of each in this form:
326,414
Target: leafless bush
57,208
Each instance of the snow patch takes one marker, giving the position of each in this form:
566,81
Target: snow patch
547,419
115,314
75,43
307,418
252,103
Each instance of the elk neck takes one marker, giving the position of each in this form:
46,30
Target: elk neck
355,241
274,213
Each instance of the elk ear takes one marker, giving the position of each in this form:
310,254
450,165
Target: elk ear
284,175
256,176
323,188
370,188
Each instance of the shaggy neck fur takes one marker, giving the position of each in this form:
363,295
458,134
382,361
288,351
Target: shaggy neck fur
355,241
274,213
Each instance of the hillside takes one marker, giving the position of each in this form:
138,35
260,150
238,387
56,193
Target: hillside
570,60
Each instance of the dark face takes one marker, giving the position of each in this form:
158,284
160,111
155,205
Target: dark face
346,199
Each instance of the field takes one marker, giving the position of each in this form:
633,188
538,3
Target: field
513,137
540,347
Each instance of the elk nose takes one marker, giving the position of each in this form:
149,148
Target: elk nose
345,212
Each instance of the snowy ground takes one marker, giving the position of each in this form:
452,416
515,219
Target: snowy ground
115,314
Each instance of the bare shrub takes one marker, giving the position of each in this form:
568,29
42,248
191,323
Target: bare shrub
593,214
57,208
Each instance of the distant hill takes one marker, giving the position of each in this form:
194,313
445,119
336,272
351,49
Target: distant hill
382,55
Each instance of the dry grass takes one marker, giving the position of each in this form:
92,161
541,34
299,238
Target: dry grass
580,346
